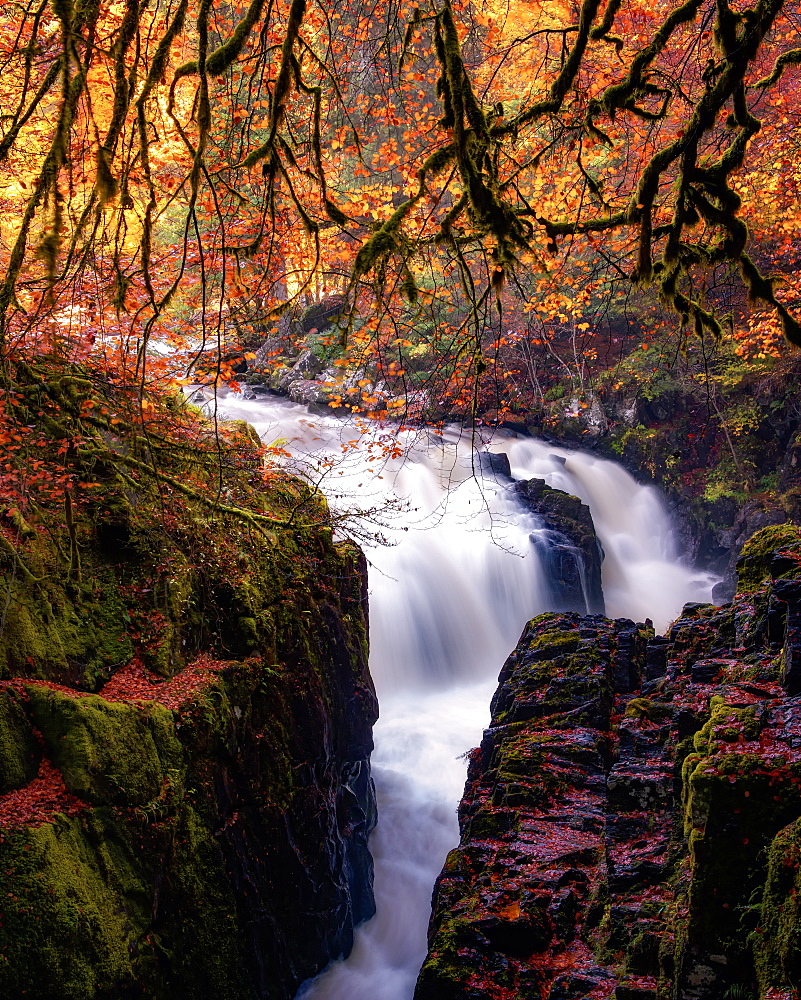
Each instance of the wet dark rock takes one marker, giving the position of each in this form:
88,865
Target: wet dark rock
564,909
535,801
572,552
791,666
660,816
706,671
635,991
638,786
494,464
656,657
575,987
519,934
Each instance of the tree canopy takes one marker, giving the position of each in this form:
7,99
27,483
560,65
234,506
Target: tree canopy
473,177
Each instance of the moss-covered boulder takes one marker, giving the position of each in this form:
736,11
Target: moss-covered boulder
773,552
185,722
108,752
740,787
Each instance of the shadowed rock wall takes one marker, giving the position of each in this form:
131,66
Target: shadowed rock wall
184,812
572,554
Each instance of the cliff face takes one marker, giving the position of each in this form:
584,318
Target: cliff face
185,730
630,824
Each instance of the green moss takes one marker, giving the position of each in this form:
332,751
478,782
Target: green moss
447,971
78,639
200,918
552,644
89,908
646,708
133,897
493,823
107,752
734,802
753,566
777,940
19,753
715,784
523,755
66,930
726,724
453,862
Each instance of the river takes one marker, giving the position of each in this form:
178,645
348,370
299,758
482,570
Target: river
449,595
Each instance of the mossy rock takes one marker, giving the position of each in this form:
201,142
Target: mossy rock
89,909
735,800
754,564
727,724
210,846
65,931
107,752
19,752
78,640
648,709
777,946
445,973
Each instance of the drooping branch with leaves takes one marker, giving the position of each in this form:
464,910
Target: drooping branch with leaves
174,173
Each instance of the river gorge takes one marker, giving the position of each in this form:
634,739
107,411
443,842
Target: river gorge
449,595
587,774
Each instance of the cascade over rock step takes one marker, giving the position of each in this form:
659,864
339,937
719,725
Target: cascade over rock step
572,553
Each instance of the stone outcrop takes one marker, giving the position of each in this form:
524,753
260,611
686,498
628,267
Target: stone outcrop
728,467
568,547
572,553
631,824
283,359
185,731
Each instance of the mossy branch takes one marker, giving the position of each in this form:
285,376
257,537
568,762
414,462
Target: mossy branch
791,58
602,29
259,521
283,82
27,574
223,57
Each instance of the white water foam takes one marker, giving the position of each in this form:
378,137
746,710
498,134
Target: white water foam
448,600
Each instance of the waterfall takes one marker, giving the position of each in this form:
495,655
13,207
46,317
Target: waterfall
449,596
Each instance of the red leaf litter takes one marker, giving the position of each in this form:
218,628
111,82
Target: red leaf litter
136,683
39,801
47,795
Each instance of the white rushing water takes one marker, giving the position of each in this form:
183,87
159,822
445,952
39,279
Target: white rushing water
448,599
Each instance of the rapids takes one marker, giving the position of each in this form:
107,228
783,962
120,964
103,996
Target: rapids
449,596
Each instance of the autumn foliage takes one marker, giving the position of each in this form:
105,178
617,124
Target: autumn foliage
492,186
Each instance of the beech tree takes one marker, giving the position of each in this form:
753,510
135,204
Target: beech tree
175,171
143,142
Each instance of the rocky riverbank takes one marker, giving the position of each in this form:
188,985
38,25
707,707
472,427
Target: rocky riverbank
630,823
185,730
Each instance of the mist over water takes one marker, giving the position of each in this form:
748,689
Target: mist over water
449,597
